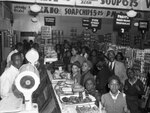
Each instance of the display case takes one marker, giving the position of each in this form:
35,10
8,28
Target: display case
45,94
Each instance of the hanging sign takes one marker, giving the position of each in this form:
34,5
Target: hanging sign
95,23
86,22
122,21
49,21
143,25
92,23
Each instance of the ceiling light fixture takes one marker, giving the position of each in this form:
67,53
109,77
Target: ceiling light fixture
131,13
35,7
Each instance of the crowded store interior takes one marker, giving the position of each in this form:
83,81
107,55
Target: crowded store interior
74,56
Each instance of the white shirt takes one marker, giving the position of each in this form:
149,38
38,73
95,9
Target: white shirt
113,64
132,83
85,55
6,81
9,57
114,97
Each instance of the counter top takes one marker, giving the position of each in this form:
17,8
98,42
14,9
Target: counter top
63,108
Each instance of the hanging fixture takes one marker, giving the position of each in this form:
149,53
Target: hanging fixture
35,7
34,19
131,13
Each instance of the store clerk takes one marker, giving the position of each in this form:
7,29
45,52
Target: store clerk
18,48
8,76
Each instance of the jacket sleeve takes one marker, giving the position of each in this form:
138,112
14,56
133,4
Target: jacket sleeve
4,86
141,86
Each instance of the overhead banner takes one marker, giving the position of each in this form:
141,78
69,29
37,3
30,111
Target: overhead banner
121,4
69,11
57,2
143,5
64,2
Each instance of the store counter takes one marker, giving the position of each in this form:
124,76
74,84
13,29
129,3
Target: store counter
63,108
87,105
44,95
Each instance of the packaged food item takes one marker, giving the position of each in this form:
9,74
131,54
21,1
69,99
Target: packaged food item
87,109
68,81
78,88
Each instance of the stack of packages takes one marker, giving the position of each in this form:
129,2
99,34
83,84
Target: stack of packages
147,60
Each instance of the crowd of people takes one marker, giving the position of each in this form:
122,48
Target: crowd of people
103,75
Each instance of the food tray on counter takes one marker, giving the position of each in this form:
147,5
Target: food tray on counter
57,76
76,100
57,80
87,109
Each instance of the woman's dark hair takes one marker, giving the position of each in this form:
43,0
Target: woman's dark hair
94,50
76,48
119,53
87,50
92,79
114,77
132,69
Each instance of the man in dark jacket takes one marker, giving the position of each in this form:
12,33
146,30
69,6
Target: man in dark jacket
102,76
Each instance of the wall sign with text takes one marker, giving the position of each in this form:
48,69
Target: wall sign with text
143,5
49,21
70,11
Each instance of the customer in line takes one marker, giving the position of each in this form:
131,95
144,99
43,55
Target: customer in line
90,88
133,90
76,72
102,76
86,67
76,56
114,101
117,68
